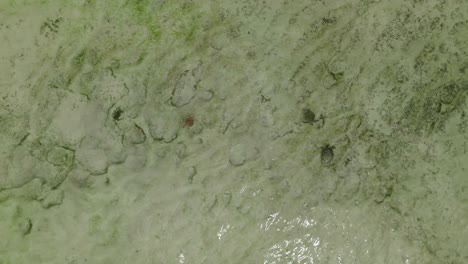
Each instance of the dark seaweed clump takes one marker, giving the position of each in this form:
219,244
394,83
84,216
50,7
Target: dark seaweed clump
117,114
326,156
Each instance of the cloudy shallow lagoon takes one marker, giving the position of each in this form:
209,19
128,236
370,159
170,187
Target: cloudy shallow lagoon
220,131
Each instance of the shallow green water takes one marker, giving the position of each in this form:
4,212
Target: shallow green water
156,131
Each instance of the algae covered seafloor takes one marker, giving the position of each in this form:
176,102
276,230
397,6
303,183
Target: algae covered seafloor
153,131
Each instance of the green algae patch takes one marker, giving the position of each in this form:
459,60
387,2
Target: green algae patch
181,20
430,107
144,14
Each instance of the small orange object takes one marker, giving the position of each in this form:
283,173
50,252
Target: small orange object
189,121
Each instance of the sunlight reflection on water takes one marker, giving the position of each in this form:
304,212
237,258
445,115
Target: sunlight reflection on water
302,248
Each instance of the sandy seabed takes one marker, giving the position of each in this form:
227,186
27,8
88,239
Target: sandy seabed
221,131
